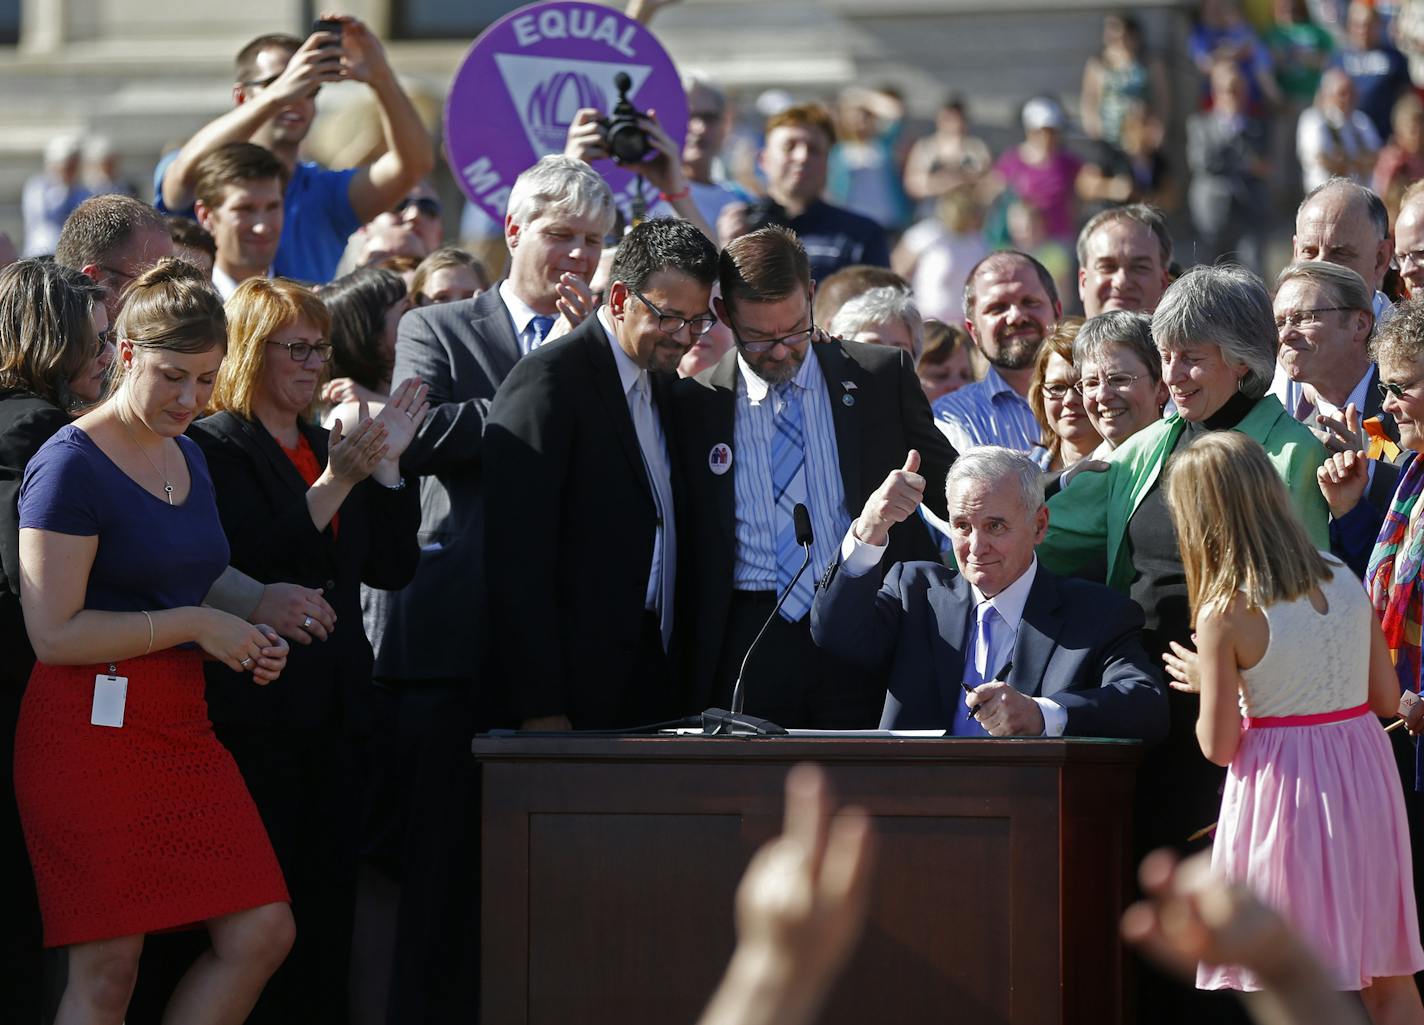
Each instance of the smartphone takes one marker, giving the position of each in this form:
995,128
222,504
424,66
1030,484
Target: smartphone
332,26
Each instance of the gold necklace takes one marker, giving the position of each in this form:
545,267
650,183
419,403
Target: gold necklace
167,484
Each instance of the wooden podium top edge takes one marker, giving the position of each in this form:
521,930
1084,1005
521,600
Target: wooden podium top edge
1028,751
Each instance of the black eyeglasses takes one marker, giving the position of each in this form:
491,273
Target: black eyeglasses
1058,392
1388,388
1307,318
299,351
766,345
670,324
424,205
262,83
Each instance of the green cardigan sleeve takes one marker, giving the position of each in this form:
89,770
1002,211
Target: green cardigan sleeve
1078,523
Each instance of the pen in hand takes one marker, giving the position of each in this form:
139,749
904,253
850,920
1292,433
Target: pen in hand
1000,677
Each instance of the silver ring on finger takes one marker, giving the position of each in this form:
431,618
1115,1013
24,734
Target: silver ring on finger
246,663
307,623
408,413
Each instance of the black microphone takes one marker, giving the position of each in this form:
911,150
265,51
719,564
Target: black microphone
716,721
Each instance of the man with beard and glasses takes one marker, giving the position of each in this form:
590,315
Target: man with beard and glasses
1010,307
789,417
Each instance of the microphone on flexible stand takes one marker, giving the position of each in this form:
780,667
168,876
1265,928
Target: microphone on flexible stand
719,722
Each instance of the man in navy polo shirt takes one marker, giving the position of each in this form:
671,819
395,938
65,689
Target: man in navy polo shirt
795,160
278,77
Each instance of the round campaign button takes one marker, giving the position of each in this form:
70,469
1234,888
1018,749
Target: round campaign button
719,460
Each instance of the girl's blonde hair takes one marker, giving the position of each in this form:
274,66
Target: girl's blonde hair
256,311
1236,527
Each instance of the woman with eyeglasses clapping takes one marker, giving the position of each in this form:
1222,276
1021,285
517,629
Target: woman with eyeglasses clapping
329,511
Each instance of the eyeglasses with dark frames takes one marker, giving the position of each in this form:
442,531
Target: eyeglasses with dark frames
766,345
299,351
671,324
1388,388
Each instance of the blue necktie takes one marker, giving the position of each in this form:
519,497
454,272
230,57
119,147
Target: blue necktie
980,668
788,487
541,326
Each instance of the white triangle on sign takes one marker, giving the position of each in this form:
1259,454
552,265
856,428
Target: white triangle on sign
548,91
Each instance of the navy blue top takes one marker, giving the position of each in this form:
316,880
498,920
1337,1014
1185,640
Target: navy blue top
151,555
836,238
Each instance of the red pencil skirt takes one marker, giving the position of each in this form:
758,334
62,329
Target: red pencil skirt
141,828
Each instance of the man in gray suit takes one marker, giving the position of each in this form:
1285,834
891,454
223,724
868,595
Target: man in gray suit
431,639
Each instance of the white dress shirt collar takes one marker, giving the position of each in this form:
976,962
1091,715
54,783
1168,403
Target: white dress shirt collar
519,311
225,285
1009,603
628,371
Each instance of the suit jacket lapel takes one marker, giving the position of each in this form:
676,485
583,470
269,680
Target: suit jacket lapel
495,326
721,428
609,386
1038,635
838,368
949,629
283,467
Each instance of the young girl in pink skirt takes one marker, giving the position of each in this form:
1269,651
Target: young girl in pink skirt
1293,672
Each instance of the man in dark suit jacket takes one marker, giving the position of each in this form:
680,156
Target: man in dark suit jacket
1078,667
581,550
431,639
850,413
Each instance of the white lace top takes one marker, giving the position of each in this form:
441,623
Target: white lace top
1313,663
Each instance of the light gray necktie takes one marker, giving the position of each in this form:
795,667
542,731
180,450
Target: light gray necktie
650,440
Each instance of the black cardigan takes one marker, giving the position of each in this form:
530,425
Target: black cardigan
262,503
26,423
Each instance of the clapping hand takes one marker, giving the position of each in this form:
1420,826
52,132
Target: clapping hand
351,457
575,303
403,415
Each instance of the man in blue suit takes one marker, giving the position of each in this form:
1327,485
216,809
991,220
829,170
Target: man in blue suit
1003,647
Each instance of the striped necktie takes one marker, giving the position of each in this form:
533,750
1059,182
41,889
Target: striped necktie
788,487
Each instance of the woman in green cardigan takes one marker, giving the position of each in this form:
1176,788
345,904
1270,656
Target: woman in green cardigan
1217,336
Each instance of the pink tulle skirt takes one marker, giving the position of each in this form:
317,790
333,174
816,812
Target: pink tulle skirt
1312,820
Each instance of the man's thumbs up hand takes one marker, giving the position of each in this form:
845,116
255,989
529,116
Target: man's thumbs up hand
893,502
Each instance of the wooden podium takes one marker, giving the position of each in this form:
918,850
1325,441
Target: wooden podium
610,865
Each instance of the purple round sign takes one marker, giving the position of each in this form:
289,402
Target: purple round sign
526,76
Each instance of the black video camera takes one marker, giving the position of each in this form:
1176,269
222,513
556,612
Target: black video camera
623,132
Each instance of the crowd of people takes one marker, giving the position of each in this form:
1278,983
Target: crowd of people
298,498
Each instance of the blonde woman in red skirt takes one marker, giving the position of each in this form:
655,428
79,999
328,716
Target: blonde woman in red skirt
136,818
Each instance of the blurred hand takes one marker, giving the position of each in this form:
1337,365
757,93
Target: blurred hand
344,389
363,57
733,222
1191,916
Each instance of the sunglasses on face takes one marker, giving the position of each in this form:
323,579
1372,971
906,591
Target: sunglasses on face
424,205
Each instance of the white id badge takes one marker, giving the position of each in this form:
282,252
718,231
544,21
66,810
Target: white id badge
110,693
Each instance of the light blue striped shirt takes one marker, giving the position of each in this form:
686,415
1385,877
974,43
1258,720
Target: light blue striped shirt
755,568
987,412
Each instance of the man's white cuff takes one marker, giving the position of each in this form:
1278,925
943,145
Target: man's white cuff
857,557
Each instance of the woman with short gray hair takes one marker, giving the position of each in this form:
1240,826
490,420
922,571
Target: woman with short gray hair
882,316
1119,375
1217,334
